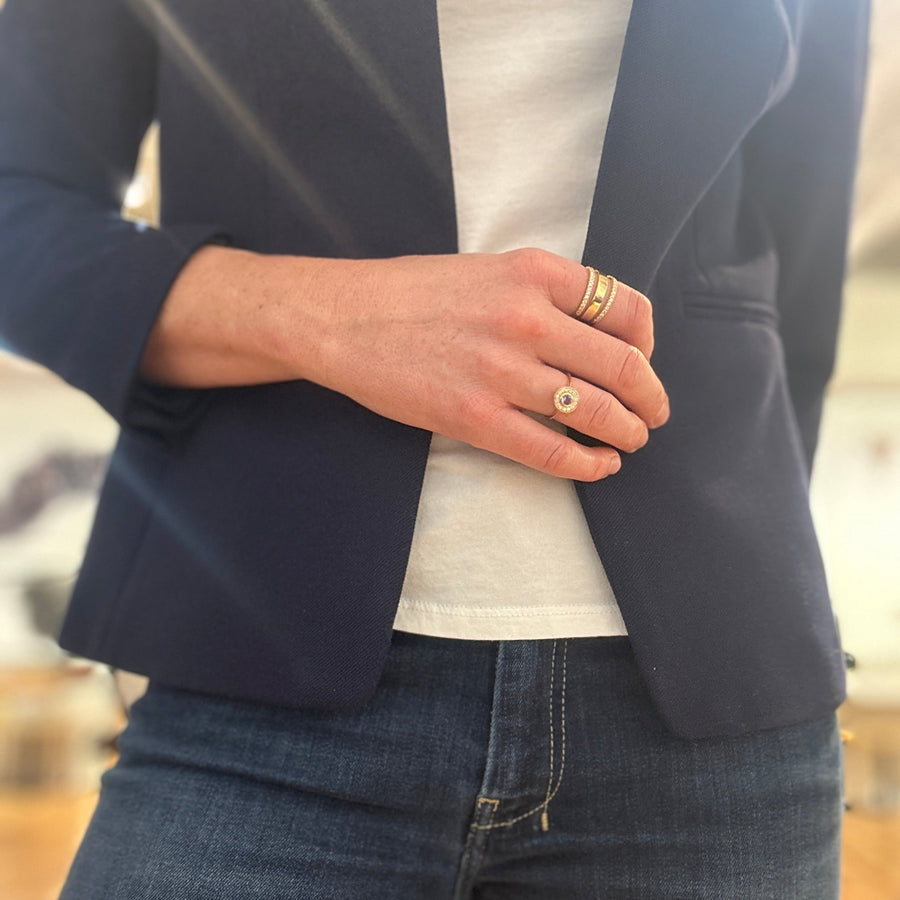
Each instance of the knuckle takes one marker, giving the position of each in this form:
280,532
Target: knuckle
528,265
640,313
484,368
635,313
639,321
632,368
520,322
478,411
533,326
599,413
557,458
598,468
645,307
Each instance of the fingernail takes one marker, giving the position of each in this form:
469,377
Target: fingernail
615,465
663,415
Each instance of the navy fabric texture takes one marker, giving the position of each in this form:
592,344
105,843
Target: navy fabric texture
525,769
252,542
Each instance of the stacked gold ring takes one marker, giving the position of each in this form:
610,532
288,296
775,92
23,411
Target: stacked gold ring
598,298
593,277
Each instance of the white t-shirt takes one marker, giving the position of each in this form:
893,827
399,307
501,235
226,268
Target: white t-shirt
501,551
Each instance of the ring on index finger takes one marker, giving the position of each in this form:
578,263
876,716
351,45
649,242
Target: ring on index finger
595,306
593,278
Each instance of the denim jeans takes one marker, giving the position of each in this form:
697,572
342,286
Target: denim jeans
481,769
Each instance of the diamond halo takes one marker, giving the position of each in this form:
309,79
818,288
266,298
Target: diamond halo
566,399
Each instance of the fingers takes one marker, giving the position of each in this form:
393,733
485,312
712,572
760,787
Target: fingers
596,412
600,415
629,317
611,364
613,356
621,396
522,439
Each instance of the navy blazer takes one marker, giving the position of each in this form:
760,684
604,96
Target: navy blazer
252,542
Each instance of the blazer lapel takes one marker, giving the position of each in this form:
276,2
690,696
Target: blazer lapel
694,77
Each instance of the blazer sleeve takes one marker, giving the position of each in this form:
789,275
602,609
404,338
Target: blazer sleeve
799,166
80,287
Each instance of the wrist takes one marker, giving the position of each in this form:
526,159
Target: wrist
224,322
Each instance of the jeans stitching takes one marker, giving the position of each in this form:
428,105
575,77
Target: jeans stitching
482,801
541,807
545,825
562,713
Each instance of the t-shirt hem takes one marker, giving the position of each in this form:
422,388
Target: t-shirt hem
509,623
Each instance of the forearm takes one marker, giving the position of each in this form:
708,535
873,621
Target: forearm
459,345
230,317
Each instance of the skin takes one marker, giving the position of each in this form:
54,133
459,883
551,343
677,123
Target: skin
461,345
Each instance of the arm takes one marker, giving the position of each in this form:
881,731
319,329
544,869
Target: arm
459,345
80,288
456,344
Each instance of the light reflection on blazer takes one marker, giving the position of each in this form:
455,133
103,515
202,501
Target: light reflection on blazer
252,542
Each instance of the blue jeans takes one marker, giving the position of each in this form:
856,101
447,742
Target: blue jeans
520,769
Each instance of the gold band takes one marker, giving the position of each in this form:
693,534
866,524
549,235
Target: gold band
597,301
593,278
607,304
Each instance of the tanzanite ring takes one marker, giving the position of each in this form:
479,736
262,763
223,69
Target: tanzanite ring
566,398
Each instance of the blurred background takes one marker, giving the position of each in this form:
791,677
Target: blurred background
59,716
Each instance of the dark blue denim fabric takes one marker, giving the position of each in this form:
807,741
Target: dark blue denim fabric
521,769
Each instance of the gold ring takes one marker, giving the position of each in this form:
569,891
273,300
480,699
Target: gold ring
593,277
608,303
589,313
566,398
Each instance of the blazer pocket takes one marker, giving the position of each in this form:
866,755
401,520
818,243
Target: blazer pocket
728,308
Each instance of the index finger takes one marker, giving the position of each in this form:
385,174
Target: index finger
629,317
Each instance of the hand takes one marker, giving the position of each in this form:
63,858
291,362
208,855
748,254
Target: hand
463,345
